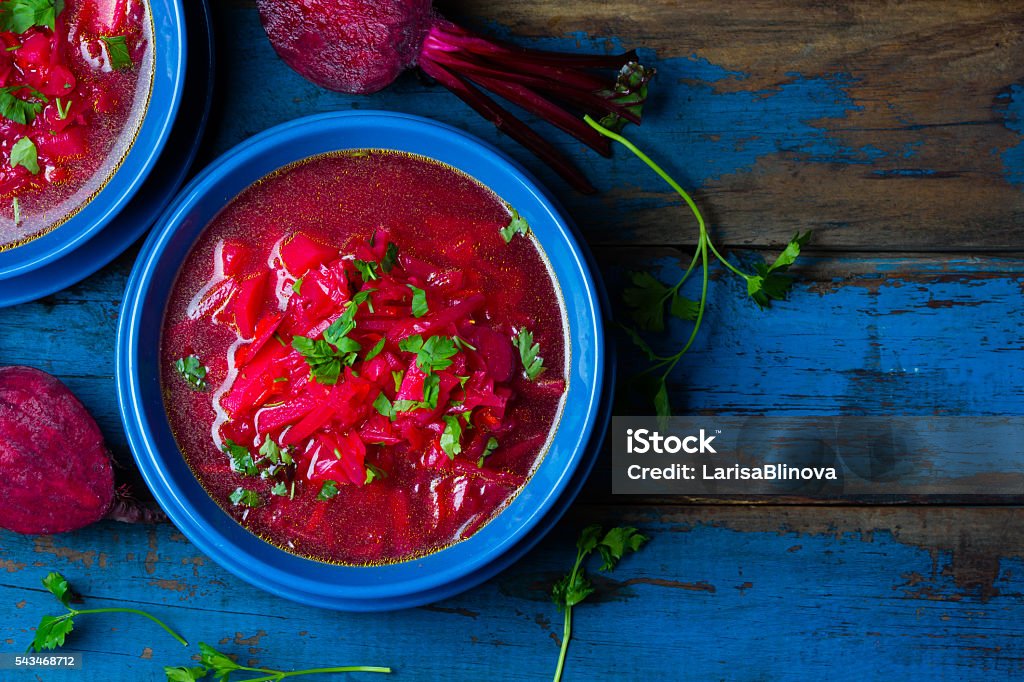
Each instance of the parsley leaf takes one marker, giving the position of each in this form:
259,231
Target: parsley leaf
373,473
617,543
51,632
367,269
398,376
297,285
383,405
419,301
270,450
377,348
241,459
17,109
451,437
431,355
25,154
489,448
192,371
117,51
58,587
390,258
279,489
533,364
328,490
769,283
245,497
516,225
18,16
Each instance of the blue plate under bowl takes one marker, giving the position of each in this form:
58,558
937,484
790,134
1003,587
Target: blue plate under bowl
169,50
168,475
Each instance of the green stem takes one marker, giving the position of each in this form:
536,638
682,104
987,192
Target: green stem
156,620
280,675
727,263
566,634
567,627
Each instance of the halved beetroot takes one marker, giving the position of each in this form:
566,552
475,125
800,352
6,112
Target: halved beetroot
57,471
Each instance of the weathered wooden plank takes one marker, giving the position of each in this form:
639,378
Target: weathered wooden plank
785,594
883,127
907,336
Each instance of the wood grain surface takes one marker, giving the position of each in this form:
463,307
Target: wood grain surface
896,132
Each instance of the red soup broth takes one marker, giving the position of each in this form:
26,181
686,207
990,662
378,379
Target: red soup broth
76,94
359,318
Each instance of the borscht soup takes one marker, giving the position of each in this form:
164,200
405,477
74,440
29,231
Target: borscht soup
75,81
364,357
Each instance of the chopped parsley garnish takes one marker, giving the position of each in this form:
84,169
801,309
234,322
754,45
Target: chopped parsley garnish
367,269
328,490
25,154
377,348
419,301
241,458
398,376
243,497
19,110
18,16
516,225
533,364
433,354
271,450
451,437
390,258
297,285
431,388
279,489
117,51
373,473
384,406
192,371
324,360
62,110
489,448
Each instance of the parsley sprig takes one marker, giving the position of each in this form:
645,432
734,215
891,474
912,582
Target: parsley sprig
53,630
223,666
533,364
192,370
649,298
575,587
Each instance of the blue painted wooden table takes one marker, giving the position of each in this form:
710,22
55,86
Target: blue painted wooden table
896,132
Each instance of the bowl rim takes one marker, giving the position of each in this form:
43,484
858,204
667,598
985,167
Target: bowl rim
387,581
169,68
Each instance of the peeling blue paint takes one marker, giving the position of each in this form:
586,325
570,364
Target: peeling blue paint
1013,158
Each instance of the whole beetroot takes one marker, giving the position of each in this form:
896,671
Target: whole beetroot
58,475
361,46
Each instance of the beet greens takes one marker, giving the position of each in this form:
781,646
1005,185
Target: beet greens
361,47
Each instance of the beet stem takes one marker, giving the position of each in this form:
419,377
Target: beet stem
507,123
558,88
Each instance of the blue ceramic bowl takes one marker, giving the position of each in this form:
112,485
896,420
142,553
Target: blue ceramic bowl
169,50
164,468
